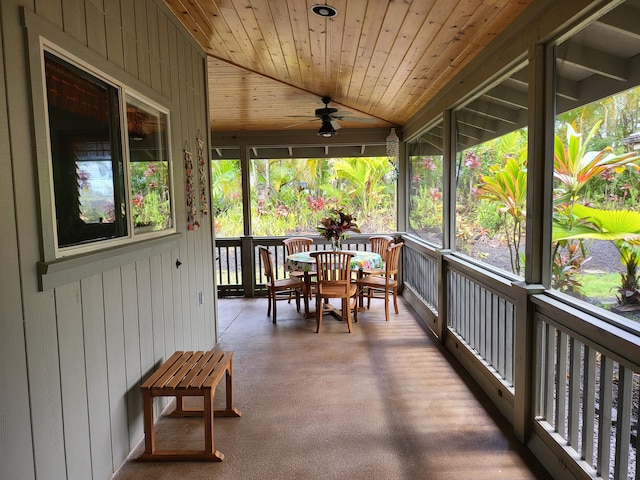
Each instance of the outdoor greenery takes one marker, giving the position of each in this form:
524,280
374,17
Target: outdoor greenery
150,195
596,193
292,196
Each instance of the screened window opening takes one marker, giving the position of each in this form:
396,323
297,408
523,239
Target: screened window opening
425,185
491,175
292,196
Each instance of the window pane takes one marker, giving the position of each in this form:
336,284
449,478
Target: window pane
290,197
491,173
226,198
88,174
149,167
596,212
425,185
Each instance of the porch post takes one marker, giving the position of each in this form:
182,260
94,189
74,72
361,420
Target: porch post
248,265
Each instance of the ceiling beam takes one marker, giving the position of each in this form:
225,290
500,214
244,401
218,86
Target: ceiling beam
623,19
593,61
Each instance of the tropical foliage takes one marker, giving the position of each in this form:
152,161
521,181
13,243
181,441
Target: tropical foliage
290,197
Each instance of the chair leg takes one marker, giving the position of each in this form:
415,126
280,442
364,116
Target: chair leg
356,305
297,300
386,305
346,307
275,301
318,313
269,293
395,300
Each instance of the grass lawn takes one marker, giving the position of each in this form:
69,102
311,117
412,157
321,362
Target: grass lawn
601,285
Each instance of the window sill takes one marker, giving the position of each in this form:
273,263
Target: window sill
66,270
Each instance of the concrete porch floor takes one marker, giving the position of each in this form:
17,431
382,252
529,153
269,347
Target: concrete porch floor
385,402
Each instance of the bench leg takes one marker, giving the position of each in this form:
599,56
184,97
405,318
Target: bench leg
149,433
230,410
209,447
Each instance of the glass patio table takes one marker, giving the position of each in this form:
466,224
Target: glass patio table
304,262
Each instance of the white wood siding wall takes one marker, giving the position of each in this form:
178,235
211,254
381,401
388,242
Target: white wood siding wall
72,358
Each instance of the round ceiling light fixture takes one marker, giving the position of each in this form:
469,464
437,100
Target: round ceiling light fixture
324,11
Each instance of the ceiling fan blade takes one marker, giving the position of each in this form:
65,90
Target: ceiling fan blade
359,119
301,123
335,125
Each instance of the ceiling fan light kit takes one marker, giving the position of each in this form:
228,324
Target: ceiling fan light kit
326,130
324,11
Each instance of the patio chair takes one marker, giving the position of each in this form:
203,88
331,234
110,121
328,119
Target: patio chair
296,245
334,281
277,287
381,286
379,245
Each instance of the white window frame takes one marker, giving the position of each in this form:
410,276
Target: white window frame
124,92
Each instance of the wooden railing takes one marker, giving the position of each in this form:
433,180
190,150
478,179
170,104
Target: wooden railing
588,388
566,376
231,272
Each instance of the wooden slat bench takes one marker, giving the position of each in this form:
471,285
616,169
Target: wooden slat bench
188,374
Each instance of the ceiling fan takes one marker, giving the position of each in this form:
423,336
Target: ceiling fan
329,117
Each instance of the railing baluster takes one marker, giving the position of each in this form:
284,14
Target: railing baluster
623,422
589,407
561,382
575,366
605,400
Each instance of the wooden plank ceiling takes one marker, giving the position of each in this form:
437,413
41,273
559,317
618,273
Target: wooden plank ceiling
272,61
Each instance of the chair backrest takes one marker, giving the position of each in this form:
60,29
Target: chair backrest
297,244
379,245
393,255
333,268
267,263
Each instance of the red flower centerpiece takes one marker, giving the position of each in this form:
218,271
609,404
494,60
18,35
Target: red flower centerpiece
335,228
